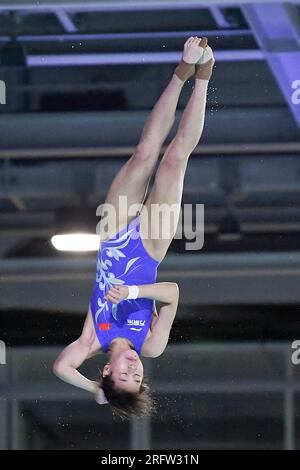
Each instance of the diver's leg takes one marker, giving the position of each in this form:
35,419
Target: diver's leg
133,178
168,185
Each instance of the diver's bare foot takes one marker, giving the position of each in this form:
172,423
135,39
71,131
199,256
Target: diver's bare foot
193,50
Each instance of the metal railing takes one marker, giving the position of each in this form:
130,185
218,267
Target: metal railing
186,370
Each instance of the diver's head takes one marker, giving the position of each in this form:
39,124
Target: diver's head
123,381
126,370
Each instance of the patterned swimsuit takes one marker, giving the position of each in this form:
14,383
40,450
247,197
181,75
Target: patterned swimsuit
123,260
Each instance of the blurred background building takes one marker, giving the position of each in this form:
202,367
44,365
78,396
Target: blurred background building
81,78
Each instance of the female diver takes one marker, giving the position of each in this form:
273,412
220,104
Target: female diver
122,320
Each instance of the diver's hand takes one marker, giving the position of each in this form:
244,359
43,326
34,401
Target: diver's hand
116,294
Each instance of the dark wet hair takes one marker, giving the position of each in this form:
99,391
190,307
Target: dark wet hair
126,404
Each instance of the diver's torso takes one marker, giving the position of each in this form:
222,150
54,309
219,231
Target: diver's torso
123,260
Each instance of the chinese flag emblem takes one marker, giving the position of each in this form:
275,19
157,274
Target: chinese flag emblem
104,326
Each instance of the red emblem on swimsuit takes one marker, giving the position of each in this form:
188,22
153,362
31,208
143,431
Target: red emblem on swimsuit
104,326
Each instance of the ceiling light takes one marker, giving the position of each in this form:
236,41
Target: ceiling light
76,242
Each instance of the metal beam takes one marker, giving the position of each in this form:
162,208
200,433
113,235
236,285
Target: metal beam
123,128
104,5
140,429
294,16
140,434
64,60
219,17
280,44
251,370
66,21
47,391
289,406
135,35
4,440
216,279
263,148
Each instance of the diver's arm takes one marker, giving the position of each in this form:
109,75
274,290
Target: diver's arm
165,292
154,317
65,366
156,344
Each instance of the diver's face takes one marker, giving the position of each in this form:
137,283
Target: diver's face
126,371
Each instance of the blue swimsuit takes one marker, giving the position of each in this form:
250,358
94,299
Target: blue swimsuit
123,260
